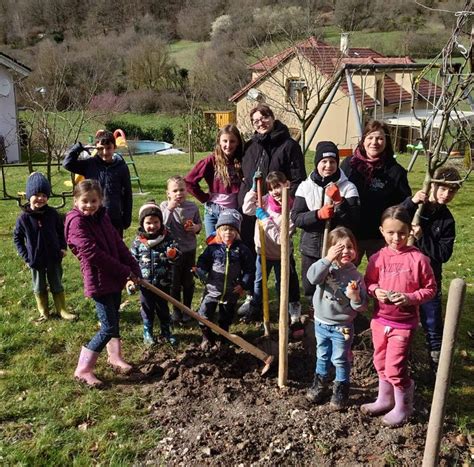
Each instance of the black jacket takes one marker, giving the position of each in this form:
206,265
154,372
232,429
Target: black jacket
438,227
39,237
275,151
388,187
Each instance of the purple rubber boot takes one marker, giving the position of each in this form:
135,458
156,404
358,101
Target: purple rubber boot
403,406
384,401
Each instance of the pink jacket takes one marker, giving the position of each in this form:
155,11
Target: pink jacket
407,271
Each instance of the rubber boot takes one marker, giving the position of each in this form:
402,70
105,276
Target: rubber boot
318,390
384,402
60,305
403,406
340,395
42,305
148,338
208,338
115,360
85,366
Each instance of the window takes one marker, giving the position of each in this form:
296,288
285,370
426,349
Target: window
296,91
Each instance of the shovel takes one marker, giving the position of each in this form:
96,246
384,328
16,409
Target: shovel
237,340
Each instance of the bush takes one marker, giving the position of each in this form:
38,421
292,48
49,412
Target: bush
144,101
133,131
108,102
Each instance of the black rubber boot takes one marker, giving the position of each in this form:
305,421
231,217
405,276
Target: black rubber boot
318,390
340,395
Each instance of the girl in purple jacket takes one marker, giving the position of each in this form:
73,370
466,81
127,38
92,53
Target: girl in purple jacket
221,171
106,265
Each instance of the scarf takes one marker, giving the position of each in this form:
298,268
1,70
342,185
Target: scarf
364,166
322,182
275,206
151,240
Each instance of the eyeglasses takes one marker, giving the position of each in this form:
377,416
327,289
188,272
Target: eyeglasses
259,121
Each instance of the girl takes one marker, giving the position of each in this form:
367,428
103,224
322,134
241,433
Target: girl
106,264
400,278
227,268
221,171
340,294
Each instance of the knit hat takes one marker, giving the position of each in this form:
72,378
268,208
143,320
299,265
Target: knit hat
37,183
326,149
150,208
229,217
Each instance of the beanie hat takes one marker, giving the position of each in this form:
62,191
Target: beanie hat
229,217
37,183
326,149
150,208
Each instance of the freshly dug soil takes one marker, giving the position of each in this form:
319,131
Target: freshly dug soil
214,408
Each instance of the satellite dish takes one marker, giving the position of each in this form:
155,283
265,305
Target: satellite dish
253,94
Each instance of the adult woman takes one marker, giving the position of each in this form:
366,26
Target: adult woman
380,181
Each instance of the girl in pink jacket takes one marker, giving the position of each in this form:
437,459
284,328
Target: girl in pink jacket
400,278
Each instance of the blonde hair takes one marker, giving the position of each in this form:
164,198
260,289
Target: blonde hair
219,230
221,161
86,186
175,179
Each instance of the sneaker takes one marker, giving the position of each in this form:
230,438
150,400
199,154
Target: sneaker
254,314
340,395
148,338
168,337
244,308
294,308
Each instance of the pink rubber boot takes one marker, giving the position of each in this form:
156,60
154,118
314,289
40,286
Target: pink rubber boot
403,406
85,366
384,402
115,360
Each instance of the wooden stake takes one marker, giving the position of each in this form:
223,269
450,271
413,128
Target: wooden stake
284,289
457,291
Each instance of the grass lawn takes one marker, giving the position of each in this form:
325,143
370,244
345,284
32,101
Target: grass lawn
184,52
46,418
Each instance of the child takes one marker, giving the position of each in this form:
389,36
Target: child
106,264
435,238
113,176
340,294
39,239
400,278
221,171
182,219
270,215
326,195
227,268
154,249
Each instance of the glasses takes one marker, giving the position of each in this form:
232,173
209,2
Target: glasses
259,121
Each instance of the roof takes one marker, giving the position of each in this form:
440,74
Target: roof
408,118
13,64
327,59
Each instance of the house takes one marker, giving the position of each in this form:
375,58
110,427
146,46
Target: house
10,71
357,84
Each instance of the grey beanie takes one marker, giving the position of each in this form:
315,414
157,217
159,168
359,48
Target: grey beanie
37,183
229,217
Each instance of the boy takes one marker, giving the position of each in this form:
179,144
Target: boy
435,238
182,219
39,239
270,216
113,176
326,195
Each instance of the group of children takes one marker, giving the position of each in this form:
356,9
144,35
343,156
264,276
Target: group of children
399,277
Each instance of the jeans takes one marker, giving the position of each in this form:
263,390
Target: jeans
53,273
432,321
333,346
107,309
211,214
151,305
294,285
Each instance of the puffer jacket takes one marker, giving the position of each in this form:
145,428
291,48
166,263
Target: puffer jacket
226,267
154,265
106,262
113,178
39,237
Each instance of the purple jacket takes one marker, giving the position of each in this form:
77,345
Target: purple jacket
105,261
205,169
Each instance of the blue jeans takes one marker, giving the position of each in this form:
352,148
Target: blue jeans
107,309
432,322
211,214
331,346
53,273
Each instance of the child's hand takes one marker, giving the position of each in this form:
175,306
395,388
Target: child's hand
134,278
256,176
420,197
417,231
200,274
172,204
334,252
238,289
352,291
261,214
381,295
190,226
326,212
332,191
171,253
399,299
131,288
63,253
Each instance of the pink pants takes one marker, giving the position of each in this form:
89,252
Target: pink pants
391,348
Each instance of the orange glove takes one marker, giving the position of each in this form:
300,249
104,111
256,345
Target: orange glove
332,191
326,212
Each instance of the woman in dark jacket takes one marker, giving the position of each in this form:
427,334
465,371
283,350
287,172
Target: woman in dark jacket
380,181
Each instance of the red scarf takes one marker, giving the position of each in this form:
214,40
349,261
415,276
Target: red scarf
364,166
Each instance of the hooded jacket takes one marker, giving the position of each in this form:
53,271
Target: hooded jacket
113,178
39,237
274,151
106,262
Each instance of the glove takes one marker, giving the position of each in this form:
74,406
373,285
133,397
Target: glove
326,212
171,253
332,191
261,214
256,176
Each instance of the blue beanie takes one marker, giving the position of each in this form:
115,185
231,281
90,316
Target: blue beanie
37,183
229,217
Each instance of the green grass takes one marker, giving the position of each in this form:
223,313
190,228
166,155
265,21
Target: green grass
47,419
184,52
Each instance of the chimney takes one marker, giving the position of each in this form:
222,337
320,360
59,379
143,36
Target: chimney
344,47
